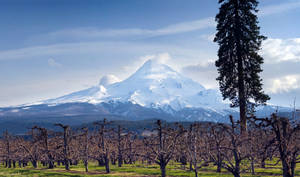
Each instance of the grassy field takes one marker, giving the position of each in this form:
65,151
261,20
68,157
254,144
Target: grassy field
136,170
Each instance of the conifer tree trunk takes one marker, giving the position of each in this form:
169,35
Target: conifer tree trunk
241,84
239,63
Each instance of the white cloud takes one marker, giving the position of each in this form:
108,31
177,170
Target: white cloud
64,48
279,50
161,58
187,26
53,63
279,8
95,32
108,80
87,48
204,72
285,84
177,28
34,51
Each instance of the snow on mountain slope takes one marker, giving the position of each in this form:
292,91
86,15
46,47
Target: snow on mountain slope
154,91
153,85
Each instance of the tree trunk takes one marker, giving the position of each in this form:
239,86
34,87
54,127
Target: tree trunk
286,169
252,167
86,166
130,153
236,175
120,161
293,166
120,158
163,170
67,164
86,149
9,163
107,165
66,145
263,163
34,163
195,170
237,163
51,164
241,82
191,166
50,161
219,167
219,161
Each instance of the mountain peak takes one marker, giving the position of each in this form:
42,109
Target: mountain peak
153,69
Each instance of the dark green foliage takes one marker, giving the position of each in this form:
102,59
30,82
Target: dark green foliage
239,63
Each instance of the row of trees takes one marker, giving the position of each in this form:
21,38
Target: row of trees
198,145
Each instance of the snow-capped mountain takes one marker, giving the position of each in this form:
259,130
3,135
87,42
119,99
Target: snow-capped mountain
153,85
154,91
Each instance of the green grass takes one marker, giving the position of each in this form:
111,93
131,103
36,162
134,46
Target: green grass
135,170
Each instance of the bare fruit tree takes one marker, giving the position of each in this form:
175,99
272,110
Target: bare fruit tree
286,139
66,139
103,144
162,145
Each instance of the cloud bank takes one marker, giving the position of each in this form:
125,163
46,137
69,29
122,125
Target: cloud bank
280,50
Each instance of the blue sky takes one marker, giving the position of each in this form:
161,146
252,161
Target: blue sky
51,48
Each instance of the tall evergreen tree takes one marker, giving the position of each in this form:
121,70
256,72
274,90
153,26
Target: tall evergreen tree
239,63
